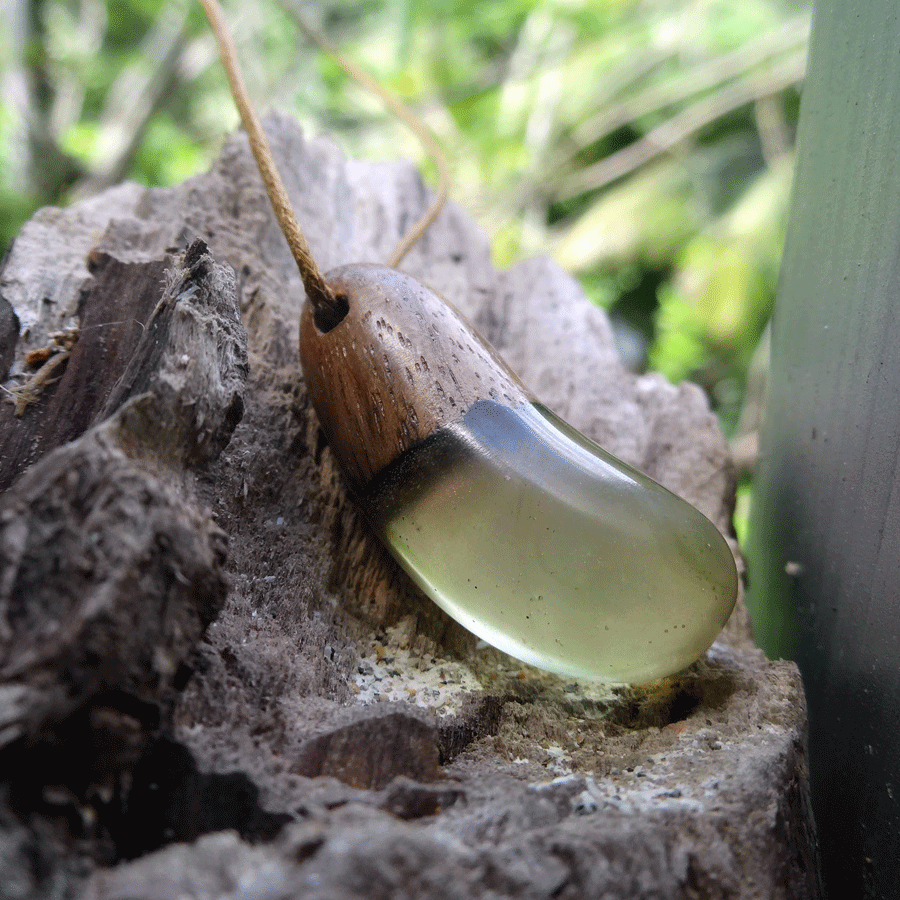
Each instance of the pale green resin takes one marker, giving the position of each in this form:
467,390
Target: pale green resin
554,551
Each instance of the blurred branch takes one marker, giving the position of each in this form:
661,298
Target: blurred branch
744,453
685,124
774,134
745,444
38,166
15,87
134,97
531,94
790,36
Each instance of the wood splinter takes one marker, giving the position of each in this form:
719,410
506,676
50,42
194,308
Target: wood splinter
47,362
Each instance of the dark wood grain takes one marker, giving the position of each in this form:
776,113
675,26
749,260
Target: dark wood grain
402,363
113,308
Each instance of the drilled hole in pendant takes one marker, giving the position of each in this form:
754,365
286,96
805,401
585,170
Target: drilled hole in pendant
328,317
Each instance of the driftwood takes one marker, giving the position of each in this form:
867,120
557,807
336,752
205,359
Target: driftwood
351,738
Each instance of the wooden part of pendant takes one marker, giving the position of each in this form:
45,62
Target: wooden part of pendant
400,364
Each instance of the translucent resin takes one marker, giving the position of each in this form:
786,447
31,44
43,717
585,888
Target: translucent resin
523,530
551,549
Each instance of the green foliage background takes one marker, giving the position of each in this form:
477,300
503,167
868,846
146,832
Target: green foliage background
645,144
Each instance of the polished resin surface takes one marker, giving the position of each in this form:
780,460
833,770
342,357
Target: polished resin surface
552,550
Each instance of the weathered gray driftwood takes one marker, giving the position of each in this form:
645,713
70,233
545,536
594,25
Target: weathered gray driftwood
110,570
413,761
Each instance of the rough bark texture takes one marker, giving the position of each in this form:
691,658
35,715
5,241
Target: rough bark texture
407,760
109,571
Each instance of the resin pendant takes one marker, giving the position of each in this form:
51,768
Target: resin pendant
526,532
